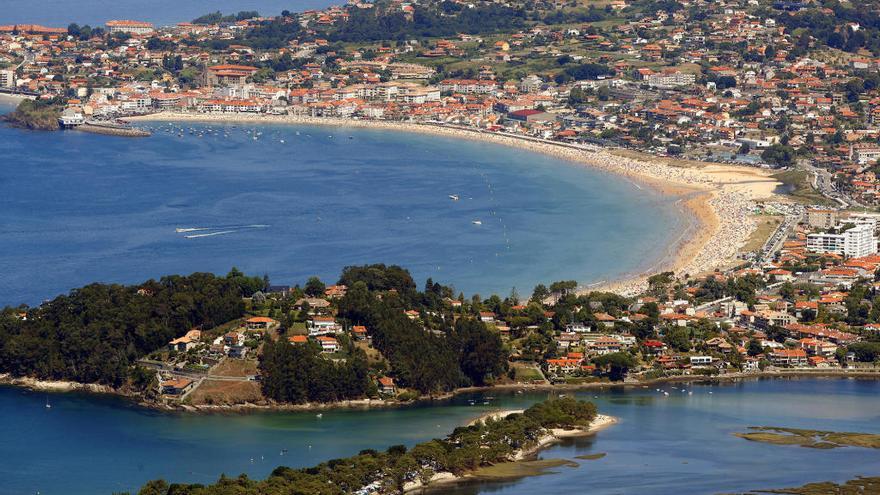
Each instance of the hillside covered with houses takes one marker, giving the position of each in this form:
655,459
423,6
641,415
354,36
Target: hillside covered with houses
746,81
367,336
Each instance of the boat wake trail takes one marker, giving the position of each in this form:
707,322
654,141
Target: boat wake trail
222,232
218,230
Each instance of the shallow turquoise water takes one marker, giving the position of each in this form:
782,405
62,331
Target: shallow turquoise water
678,444
78,208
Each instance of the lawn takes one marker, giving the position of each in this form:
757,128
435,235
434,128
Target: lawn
235,367
525,373
219,392
801,185
766,225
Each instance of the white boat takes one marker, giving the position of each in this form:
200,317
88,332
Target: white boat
477,222
319,415
48,406
454,197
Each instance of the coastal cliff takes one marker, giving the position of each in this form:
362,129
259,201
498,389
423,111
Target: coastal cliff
35,115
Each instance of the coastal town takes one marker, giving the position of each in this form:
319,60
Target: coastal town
755,123
667,79
777,272
807,311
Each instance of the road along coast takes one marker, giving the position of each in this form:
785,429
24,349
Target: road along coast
717,199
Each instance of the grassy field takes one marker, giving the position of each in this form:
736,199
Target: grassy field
801,186
672,162
859,486
766,225
218,392
525,373
235,367
373,355
513,470
815,439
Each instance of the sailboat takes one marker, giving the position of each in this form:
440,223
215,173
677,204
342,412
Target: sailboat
48,406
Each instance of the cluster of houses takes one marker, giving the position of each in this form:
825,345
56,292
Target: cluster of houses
723,80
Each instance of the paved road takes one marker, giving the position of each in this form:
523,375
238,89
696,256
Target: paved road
194,375
823,182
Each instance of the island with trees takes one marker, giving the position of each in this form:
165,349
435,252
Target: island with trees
399,469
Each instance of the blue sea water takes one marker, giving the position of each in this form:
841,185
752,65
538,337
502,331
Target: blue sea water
60,13
681,443
79,208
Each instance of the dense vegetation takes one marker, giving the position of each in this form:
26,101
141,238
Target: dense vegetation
298,373
36,114
466,449
833,30
444,19
218,17
437,360
272,34
95,334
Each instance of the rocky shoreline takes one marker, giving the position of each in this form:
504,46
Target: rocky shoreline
720,209
59,386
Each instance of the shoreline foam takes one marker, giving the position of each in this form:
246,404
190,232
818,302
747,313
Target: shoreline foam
720,197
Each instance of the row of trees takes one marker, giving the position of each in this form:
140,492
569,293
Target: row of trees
96,334
461,452
218,17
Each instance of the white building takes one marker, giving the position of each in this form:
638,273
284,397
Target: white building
864,153
7,78
670,80
855,242
71,117
130,27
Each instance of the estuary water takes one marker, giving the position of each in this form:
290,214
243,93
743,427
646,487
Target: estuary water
60,13
296,201
681,443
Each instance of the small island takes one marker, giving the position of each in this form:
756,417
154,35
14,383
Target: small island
490,442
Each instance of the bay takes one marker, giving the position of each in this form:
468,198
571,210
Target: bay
296,201
60,13
681,443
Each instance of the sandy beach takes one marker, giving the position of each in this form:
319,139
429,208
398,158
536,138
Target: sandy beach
716,199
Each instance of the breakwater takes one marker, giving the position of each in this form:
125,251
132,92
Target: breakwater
113,130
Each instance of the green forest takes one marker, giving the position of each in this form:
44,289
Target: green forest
453,353
444,19
298,373
464,450
437,354
96,334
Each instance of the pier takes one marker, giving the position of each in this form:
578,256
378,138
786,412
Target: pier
111,129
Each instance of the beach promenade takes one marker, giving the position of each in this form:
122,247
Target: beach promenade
718,200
